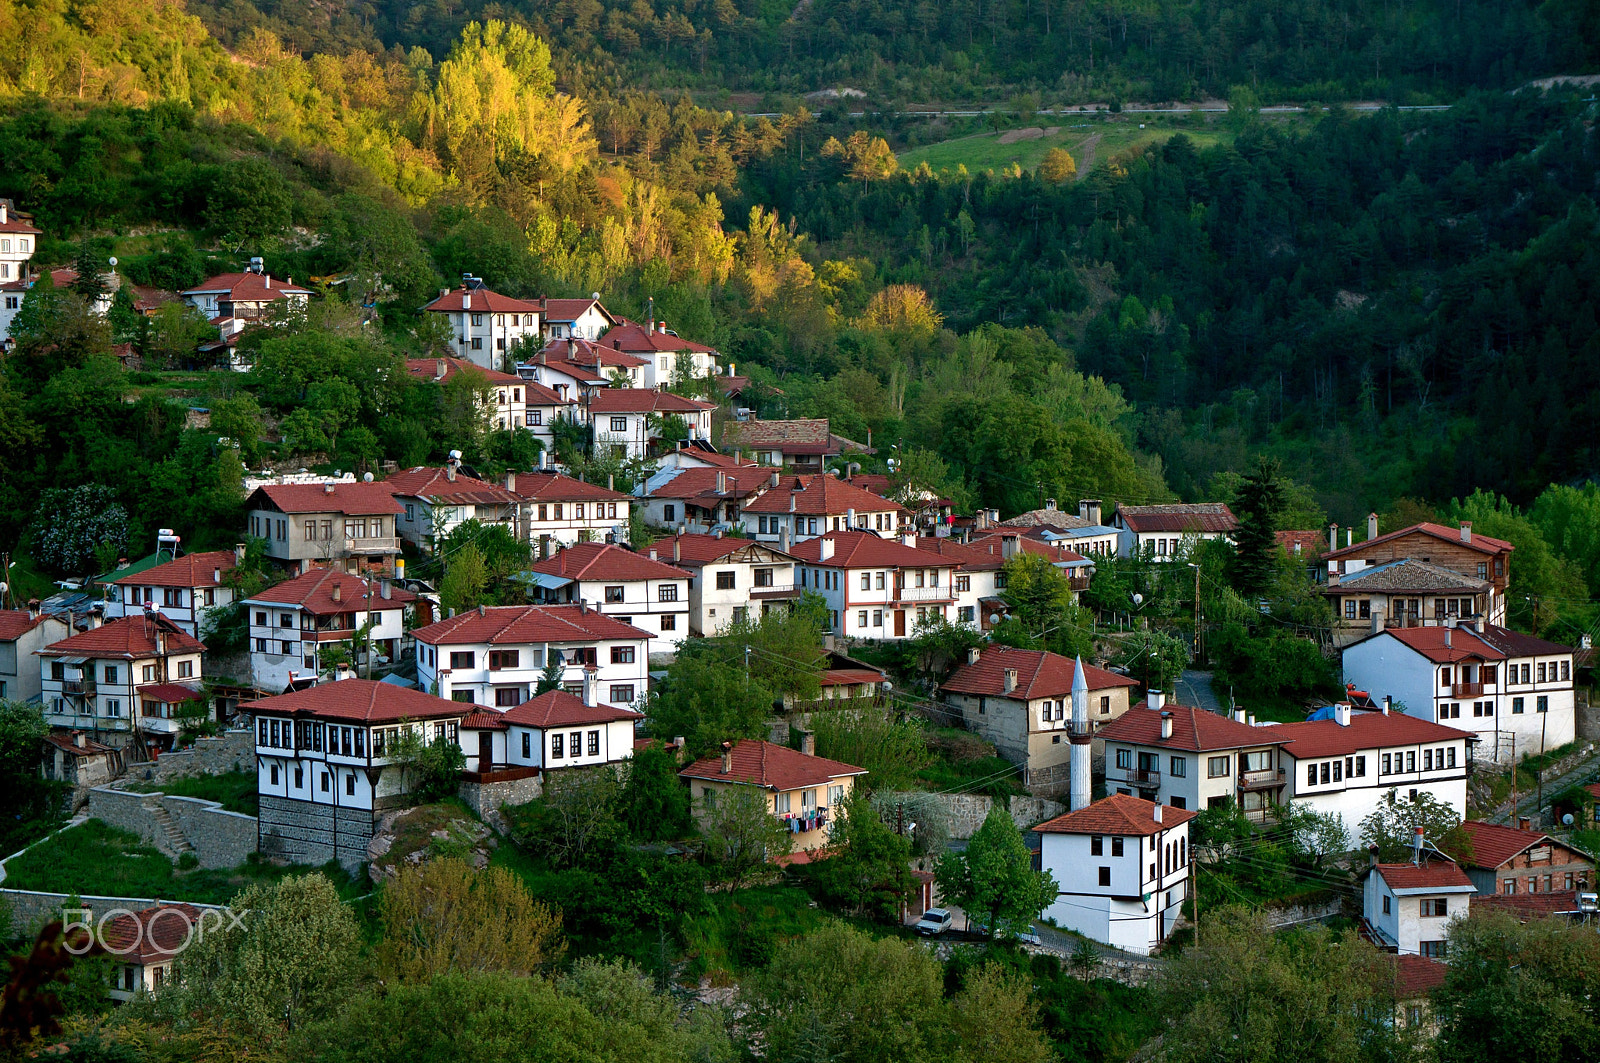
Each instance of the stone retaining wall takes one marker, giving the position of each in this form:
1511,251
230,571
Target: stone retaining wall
229,751
220,838
302,832
487,798
31,910
965,813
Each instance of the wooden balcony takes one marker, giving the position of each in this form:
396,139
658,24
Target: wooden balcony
1466,690
1270,779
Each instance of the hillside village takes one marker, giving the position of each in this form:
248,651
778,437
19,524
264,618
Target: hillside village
346,675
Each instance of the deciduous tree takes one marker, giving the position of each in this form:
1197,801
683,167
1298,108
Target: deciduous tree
448,916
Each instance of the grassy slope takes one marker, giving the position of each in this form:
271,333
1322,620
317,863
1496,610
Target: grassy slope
1090,141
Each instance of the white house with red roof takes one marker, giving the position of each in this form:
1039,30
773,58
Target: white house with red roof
799,507
189,590
495,656
586,361
347,525
1403,578
18,241
1513,691
143,945
660,347
1021,700
629,421
290,623
1407,908
1122,870
511,402
437,499
23,633
634,588
1158,533
94,681
486,326
704,499
548,732
325,764
234,301
1352,763
730,579
804,444
559,509
584,319
804,791
875,588
1185,756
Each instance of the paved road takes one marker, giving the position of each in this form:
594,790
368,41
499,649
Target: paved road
1528,803
1194,688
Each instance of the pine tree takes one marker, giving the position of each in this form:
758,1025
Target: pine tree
1257,504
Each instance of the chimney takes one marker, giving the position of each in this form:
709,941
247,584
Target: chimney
1008,546
1377,621
161,643
1477,623
337,593
825,549
1341,715
33,608
589,686
677,549
727,757
543,458
1417,841
652,553
1011,679
466,299
1089,510
1238,716
785,539
1333,536
1372,526
327,488
583,606
774,479
439,368
791,503
611,481
1166,725
973,653
450,471
850,519
1372,856
238,553
1155,813
4,207
79,739
511,481
1155,699
738,455
1050,503
1349,536
722,482
216,575
1386,704
482,610
1466,531
385,589
1448,626
808,743
1524,823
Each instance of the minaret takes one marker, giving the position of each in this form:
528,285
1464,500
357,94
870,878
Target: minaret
1079,735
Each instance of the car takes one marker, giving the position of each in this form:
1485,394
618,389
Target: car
934,921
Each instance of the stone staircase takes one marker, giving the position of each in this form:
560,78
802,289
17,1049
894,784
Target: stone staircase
175,841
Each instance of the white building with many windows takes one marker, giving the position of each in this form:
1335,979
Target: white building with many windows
875,588
633,588
1121,867
23,632
560,510
486,326
1160,533
548,732
508,397
298,626
1190,758
325,769
438,499
188,590
1512,691
801,507
93,682
730,579
496,656
1408,908
629,422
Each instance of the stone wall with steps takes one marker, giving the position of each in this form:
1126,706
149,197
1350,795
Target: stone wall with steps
177,825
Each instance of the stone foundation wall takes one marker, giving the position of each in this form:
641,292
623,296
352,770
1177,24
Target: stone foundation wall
220,838
302,832
487,798
229,751
965,813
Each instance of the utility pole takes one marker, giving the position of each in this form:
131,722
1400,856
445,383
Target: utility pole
1194,885
1199,645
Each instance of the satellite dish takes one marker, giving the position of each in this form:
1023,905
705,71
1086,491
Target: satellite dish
1566,820
367,478
113,261
887,686
994,618
1138,599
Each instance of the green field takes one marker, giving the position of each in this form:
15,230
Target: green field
1090,141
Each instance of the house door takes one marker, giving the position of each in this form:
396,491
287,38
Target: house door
899,623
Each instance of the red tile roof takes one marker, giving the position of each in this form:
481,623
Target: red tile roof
366,700
353,499
849,677
428,369
859,549
247,288
89,748
1191,518
1367,730
697,550
557,708
991,545
801,436
1494,845
130,637
525,625
171,693
775,767
1482,543
1118,814
643,400
631,336
821,495
484,301
567,311
1192,728
313,591
1417,976
1435,873
1040,674
697,483
434,484
589,354
15,623
1444,645
14,224
484,720
190,570
604,561
1526,906
150,935
559,487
